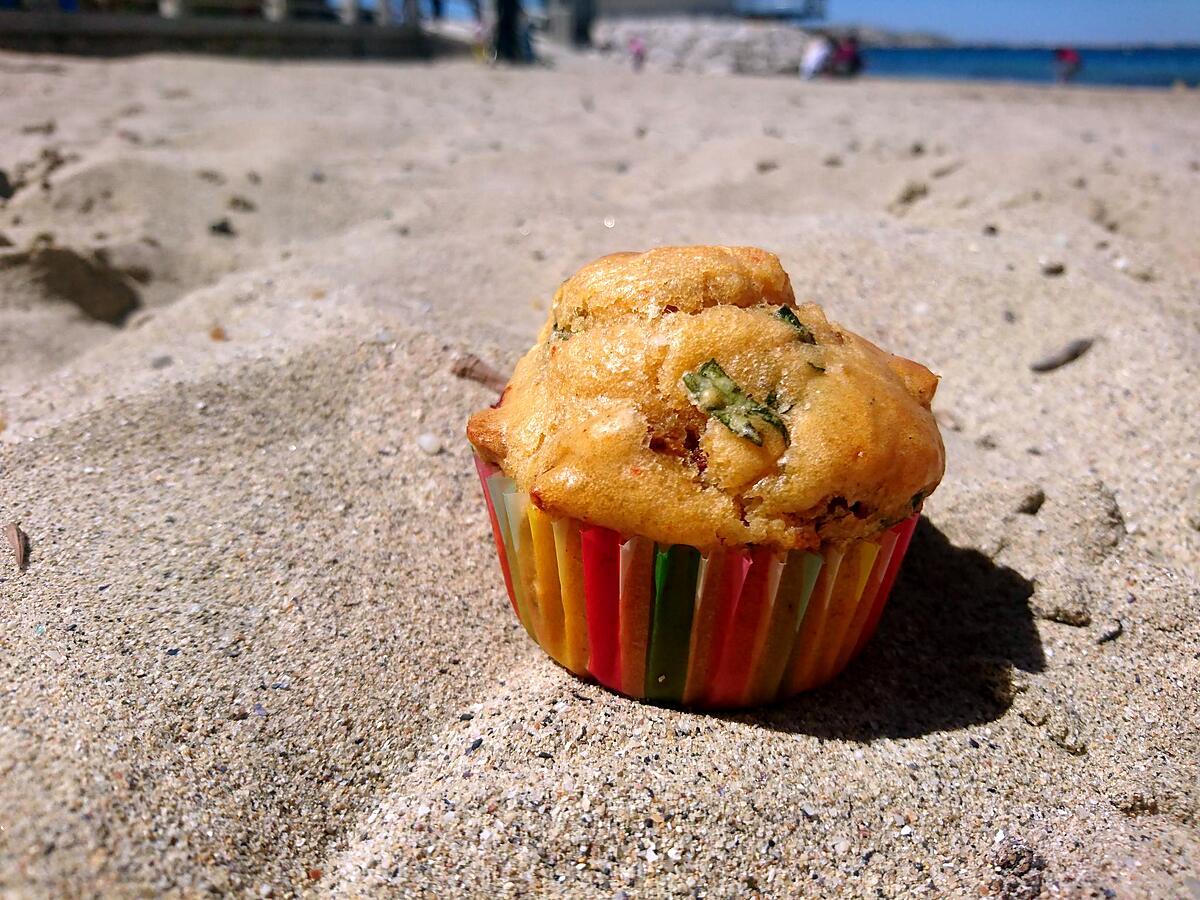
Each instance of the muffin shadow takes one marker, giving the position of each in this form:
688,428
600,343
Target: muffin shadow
954,628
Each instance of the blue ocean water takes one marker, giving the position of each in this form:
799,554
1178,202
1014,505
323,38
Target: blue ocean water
1142,66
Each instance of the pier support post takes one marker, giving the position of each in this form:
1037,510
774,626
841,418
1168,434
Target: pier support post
348,11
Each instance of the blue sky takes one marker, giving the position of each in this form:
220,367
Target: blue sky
1040,21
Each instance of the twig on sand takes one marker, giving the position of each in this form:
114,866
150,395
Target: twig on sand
19,541
470,366
1061,357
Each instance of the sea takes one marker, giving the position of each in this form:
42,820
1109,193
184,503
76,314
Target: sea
1126,67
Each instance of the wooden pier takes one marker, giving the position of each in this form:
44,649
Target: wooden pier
266,28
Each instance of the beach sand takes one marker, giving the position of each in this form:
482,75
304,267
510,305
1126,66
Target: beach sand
262,646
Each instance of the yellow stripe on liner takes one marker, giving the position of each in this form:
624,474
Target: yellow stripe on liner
856,569
569,551
887,546
522,556
545,583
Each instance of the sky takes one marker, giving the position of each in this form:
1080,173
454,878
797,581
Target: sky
1025,21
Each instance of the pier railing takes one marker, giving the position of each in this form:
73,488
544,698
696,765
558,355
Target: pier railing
305,28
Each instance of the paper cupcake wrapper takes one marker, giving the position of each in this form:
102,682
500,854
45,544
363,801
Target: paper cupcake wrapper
733,627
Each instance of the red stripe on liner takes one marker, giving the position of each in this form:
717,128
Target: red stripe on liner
485,469
738,636
904,534
602,590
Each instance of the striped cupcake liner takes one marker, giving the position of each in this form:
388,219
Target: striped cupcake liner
731,628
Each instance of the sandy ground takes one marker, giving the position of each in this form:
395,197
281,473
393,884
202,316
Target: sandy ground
261,645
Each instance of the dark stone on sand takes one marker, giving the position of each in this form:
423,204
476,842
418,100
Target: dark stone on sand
991,230
161,362
1059,358
238,203
60,273
1032,501
222,227
6,186
1052,268
911,193
766,165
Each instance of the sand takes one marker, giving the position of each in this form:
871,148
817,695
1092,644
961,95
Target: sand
261,645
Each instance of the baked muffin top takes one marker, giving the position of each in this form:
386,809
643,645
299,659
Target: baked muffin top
682,394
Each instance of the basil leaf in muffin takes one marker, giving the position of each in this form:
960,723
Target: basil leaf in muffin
805,333
712,391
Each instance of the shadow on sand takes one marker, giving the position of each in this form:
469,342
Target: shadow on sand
954,628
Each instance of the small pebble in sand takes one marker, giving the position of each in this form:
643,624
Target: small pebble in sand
1032,501
238,203
1063,599
317,176
833,161
1010,316
1052,267
222,227
161,362
429,443
990,230
18,540
911,193
1112,633
1066,354
766,165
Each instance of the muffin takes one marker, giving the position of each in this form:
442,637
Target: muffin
701,491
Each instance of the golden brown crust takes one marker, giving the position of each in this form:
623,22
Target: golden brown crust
598,424
669,279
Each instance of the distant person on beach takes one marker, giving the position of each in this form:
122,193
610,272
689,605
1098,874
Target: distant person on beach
637,52
1067,63
816,56
847,58
507,35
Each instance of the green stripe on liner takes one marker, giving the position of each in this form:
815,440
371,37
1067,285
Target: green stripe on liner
811,569
675,571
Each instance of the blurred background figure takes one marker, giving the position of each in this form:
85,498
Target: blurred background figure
1067,63
507,34
816,56
847,58
637,52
